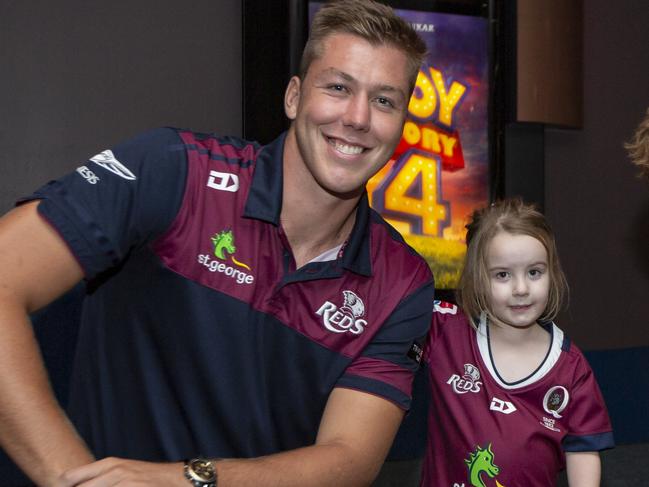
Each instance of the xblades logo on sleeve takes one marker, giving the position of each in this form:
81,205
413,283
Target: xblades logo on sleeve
108,161
88,175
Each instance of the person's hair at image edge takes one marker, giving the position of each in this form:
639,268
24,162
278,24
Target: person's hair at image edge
375,22
515,217
638,147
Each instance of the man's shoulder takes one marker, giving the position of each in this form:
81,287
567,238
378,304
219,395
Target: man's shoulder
213,142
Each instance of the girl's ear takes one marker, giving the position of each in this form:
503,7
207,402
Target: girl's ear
292,97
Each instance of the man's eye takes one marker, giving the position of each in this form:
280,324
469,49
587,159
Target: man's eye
337,87
386,102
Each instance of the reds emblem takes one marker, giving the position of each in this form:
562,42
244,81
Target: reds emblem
346,319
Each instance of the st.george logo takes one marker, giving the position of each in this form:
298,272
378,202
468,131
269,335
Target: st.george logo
481,465
107,160
223,181
347,318
223,249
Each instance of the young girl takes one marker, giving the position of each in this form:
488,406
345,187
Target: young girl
513,400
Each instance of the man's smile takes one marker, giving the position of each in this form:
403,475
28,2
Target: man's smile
345,148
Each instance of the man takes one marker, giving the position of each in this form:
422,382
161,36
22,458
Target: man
244,303
638,146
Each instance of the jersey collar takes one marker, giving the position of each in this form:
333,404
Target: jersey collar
552,357
264,202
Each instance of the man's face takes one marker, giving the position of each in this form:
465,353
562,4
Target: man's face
348,112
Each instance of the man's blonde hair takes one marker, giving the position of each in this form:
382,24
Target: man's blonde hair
372,21
638,146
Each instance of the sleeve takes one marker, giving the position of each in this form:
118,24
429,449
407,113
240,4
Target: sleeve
588,425
443,312
388,364
118,200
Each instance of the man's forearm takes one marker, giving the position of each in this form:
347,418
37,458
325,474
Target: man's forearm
34,431
313,466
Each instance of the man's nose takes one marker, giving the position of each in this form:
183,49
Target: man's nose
358,113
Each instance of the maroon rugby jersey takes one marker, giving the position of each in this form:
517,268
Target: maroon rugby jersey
483,431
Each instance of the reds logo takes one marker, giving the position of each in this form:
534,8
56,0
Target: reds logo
469,382
346,319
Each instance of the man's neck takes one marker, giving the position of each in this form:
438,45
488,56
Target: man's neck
313,227
313,219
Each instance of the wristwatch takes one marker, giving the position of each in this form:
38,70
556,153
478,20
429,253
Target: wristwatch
200,472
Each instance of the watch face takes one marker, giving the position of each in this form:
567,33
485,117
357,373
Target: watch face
202,470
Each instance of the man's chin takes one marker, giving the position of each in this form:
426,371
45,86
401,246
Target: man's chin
344,191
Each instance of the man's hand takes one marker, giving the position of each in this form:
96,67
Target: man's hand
125,473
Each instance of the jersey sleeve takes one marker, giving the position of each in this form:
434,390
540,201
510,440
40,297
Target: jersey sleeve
118,200
388,364
589,427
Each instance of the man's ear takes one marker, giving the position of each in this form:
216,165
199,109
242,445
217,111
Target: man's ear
292,97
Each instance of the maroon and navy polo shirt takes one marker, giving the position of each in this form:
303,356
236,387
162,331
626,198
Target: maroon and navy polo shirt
198,335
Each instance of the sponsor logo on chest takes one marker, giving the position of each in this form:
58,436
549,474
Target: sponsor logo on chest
221,259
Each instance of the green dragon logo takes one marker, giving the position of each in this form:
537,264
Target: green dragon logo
482,461
224,242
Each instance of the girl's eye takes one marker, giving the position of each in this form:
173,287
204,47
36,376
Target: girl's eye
535,273
501,275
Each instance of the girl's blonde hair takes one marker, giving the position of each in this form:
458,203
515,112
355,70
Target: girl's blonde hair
638,146
517,218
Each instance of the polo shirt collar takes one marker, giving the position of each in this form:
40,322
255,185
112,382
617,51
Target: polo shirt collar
264,202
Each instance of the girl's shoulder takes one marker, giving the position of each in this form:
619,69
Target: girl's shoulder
448,321
570,357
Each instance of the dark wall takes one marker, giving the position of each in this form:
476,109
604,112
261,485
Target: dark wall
598,208
79,76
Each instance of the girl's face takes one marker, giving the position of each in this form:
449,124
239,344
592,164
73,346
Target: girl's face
519,278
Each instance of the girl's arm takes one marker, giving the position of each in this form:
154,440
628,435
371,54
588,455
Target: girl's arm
583,468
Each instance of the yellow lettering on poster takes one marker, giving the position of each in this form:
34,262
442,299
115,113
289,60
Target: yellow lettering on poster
447,101
425,206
